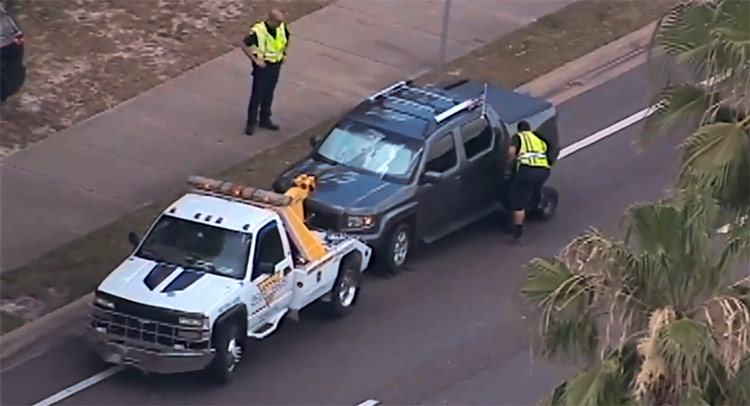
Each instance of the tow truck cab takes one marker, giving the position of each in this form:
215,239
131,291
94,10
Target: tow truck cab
219,265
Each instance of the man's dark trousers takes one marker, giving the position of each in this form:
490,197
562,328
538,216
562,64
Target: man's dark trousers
261,96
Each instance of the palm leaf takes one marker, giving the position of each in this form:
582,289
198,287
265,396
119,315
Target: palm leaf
599,385
687,346
682,104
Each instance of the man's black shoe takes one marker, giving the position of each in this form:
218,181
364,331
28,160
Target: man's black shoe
268,125
249,129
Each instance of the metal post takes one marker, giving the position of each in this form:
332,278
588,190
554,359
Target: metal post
444,36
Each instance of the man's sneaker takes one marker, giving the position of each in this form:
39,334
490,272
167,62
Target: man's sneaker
515,240
269,125
249,129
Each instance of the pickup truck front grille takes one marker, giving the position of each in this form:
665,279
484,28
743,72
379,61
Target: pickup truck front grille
324,218
146,327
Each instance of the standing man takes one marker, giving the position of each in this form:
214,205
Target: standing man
529,150
266,46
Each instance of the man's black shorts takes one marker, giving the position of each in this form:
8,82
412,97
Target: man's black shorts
525,181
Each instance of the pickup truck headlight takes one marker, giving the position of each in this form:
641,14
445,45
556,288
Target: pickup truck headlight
104,303
194,322
360,222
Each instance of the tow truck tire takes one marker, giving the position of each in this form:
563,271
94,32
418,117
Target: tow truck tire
228,345
396,249
548,204
345,288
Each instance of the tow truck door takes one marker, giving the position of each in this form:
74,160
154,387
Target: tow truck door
271,269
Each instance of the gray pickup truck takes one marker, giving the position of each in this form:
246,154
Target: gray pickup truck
414,163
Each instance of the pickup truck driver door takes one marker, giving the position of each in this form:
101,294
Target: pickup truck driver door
439,197
271,271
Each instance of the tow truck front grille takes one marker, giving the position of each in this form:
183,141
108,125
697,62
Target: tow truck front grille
146,327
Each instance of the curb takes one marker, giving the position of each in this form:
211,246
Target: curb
557,86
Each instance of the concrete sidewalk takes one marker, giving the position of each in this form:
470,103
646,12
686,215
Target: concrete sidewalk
130,156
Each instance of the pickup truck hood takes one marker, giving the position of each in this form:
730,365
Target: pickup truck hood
163,285
343,188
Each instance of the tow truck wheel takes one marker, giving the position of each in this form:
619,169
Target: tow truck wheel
345,288
228,352
397,249
548,204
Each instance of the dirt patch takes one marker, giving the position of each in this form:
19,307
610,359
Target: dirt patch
86,56
76,268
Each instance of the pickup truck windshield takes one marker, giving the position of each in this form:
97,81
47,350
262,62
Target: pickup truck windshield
362,147
197,246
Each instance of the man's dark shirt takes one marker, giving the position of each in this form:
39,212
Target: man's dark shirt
252,39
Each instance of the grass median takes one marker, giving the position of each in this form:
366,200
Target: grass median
76,268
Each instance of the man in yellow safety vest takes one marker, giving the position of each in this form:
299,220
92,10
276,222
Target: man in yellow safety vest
529,151
266,46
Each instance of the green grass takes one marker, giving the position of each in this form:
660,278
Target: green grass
75,269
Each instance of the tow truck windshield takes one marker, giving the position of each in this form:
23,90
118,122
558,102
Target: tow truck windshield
364,148
197,246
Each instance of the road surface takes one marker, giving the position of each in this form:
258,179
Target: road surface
451,332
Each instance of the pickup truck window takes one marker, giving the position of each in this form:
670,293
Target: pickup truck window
198,246
270,249
477,137
362,147
442,156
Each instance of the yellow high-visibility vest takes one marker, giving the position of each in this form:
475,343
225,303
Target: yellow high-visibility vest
533,150
270,49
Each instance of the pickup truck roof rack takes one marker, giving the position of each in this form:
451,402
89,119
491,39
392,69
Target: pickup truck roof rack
289,206
423,102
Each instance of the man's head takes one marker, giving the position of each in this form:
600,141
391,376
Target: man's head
523,126
275,18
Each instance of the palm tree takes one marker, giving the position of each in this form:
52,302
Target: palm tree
706,44
656,314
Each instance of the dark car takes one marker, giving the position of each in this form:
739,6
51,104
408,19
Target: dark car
417,163
12,69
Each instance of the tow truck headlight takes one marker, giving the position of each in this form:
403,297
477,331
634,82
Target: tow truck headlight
104,303
194,322
360,222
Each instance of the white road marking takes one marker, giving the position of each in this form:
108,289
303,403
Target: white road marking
369,402
567,151
606,132
70,391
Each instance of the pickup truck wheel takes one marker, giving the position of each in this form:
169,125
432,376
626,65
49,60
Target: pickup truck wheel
345,288
228,352
397,249
548,205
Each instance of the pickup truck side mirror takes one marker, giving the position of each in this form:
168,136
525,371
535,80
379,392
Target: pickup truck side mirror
134,239
314,141
431,177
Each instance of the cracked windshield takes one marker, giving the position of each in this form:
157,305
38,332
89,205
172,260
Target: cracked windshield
362,147
197,246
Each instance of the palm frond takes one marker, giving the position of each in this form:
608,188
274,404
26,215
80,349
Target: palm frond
738,391
677,105
687,346
599,385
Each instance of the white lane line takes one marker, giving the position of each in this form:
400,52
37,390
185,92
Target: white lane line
567,151
72,390
606,132
369,402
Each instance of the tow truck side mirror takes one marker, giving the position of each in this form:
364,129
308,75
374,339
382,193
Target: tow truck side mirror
134,239
265,268
314,141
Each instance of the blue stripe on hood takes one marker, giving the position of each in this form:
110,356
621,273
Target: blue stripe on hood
158,274
183,280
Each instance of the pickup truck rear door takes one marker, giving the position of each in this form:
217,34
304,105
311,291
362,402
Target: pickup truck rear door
481,169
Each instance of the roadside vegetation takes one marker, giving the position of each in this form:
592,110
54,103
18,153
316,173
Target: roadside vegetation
73,270
662,316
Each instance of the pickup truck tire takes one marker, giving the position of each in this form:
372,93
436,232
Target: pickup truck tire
227,342
345,288
548,204
396,249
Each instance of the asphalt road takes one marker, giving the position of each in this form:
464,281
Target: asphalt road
453,331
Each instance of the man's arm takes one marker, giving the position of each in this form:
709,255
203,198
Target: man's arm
515,145
248,46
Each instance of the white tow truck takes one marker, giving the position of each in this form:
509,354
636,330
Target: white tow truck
222,264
